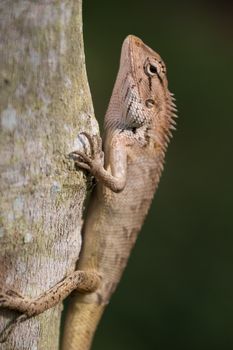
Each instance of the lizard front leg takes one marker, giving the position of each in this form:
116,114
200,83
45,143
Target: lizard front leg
94,163
82,281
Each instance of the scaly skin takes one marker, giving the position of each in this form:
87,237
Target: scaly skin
137,129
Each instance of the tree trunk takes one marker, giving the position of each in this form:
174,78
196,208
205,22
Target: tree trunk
45,102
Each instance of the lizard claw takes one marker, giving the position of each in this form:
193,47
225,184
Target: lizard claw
90,140
4,300
82,160
95,159
95,143
13,293
10,298
7,297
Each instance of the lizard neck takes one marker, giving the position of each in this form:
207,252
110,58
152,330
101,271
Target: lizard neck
81,323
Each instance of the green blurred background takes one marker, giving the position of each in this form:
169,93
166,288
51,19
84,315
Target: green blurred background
177,291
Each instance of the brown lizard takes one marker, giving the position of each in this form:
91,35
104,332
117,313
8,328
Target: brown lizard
138,126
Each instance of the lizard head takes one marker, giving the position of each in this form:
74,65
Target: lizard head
141,100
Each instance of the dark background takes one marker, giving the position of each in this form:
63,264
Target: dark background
177,291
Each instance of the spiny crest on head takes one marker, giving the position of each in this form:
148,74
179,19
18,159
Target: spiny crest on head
167,123
171,113
164,131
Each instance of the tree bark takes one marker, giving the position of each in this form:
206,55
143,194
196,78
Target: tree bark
45,102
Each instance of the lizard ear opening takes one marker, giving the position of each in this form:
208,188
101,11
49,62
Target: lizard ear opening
150,103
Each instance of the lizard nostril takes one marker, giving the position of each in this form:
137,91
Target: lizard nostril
150,103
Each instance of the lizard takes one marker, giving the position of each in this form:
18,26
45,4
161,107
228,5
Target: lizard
137,129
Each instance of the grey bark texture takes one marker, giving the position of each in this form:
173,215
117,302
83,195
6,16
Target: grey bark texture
44,103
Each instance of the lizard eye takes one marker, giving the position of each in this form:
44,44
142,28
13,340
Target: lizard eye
151,69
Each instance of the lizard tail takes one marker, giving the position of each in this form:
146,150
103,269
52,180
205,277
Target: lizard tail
81,323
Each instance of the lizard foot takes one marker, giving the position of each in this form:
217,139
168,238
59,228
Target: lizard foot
11,293
95,160
4,300
8,297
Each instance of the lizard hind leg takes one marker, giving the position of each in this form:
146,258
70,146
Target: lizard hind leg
82,281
